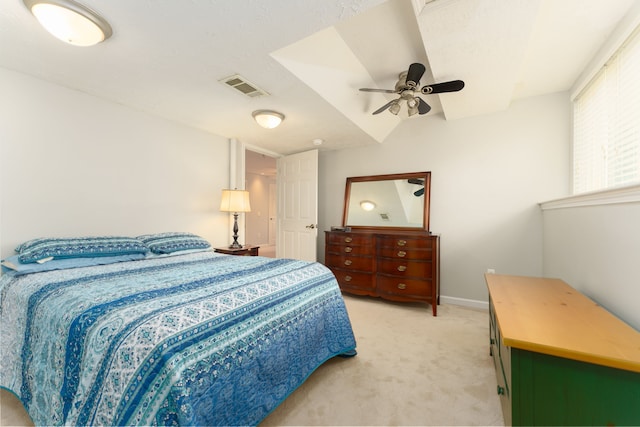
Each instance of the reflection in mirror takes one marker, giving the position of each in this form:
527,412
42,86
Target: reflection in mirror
381,201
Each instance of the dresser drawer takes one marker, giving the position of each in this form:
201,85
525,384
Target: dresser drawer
350,262
354,279
404,253
405,267
401,286
404,242
350,249
350,239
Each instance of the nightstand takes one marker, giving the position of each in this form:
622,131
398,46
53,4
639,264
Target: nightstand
246,250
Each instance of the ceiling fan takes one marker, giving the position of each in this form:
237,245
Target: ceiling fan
407,86
417,181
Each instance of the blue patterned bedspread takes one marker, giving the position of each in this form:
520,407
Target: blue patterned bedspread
197,339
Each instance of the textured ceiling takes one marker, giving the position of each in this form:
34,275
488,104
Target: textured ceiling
167,57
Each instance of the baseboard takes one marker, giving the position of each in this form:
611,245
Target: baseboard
483,305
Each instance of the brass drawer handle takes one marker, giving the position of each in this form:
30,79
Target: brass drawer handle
348,239
347,278
402,268
402,242
402,286
402,254
348,249
347,262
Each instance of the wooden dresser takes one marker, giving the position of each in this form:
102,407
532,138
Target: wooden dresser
395,265
560,358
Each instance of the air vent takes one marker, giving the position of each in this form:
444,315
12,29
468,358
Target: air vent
240,84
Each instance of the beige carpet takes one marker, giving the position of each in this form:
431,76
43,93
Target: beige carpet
411,369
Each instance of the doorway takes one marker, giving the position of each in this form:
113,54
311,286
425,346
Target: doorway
260,223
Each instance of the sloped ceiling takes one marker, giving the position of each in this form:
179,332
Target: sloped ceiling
167,57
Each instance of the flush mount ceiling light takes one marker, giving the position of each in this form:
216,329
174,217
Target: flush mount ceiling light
70,22
268,119
367,205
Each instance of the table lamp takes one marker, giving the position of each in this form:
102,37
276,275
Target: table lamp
235,201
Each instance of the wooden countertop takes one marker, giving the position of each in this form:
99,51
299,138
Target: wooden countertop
549,316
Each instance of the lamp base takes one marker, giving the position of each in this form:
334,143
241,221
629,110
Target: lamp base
235,244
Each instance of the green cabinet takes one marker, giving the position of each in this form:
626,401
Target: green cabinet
542,383
549,390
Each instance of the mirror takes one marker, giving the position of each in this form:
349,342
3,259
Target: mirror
399,201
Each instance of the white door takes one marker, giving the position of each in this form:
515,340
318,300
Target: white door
297,182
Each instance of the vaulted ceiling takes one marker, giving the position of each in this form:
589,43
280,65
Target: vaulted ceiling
167,57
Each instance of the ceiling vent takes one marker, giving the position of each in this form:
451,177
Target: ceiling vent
240,84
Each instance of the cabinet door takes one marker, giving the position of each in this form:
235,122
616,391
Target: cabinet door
551,390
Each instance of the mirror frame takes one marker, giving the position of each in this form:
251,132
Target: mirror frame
371,178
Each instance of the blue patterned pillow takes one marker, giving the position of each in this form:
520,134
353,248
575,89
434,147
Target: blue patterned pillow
80,247
166,243
12,265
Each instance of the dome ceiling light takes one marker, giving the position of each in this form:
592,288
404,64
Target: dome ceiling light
268,119
70,22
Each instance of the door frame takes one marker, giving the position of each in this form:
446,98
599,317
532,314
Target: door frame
238,170
237,178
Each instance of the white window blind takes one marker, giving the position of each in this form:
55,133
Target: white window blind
606,121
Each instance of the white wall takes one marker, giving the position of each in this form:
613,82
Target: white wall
488,175
73,164
596,249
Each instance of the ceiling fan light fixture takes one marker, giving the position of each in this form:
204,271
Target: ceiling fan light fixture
268,119
395,107
412,106
407,86
70,22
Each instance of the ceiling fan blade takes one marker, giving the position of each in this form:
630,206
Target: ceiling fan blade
419,192
414,74
452,86
384,107
423,107
366,89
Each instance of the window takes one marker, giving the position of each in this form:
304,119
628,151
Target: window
606,124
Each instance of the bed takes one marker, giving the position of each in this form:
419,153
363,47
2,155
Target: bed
188,337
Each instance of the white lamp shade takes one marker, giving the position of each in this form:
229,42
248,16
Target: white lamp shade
395,108
268,119
70,22
235,201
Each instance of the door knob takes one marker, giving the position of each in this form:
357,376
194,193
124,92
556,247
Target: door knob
311,226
